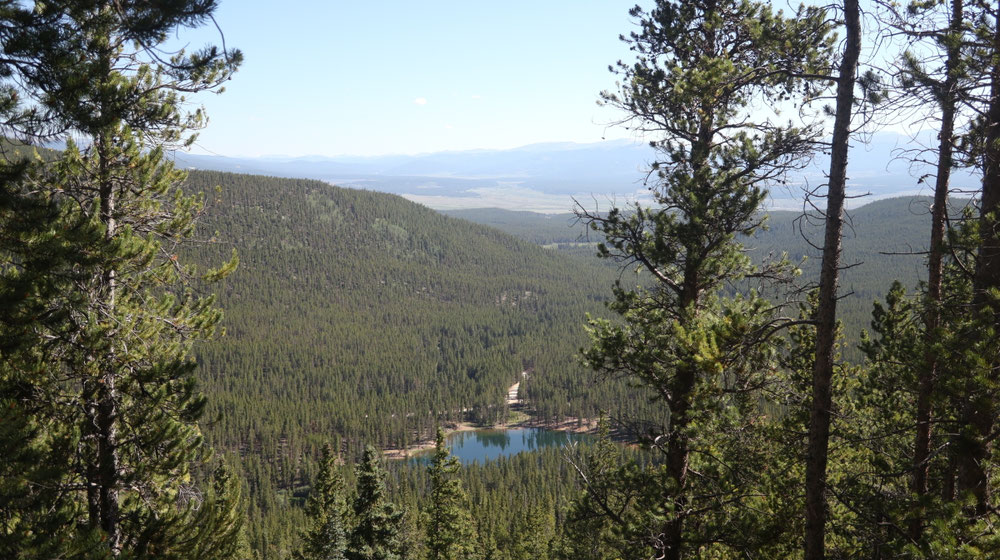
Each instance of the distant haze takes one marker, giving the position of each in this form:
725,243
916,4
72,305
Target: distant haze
548,177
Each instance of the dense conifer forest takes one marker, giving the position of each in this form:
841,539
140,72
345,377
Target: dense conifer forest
204,365
364,315
884,244
431,324
361,318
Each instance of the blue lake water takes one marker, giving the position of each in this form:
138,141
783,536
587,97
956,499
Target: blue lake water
487,445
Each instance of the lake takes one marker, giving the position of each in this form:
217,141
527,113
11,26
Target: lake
487,445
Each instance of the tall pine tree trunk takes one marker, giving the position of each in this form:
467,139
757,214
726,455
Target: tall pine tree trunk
826,316
977,417
678,445
928,372
107,401
678,450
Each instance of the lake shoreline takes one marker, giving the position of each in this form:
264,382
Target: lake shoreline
570,424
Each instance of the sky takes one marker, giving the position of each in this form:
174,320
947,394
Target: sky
343,77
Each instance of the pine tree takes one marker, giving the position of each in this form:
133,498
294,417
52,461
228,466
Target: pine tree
826,312
946,86
376,534
39,518
111,299
220,521
326,536
966,341
700,65
976,430
39,246
450,533
885,398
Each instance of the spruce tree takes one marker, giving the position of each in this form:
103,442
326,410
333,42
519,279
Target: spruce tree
326,536
376,533
450,533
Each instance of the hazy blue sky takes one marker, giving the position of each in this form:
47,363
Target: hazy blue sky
363,78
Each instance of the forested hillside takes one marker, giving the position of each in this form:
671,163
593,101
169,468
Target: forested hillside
367,316
543,229
359,317
215,366
886,241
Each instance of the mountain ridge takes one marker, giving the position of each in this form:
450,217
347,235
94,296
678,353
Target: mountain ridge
548,176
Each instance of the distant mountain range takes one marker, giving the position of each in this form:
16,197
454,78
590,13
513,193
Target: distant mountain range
548,177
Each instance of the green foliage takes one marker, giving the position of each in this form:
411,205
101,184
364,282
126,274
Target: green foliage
40,236
376,533
787,409
326,536
442,320
37,519
535,531
339,329
703,353
882,435
214,528
882,245
540,229
871,500
98,312
361,316
317,347
603,515
450,533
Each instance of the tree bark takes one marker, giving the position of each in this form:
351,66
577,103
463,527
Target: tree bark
108,471
677,465
678,444
927,375
826,315
977,418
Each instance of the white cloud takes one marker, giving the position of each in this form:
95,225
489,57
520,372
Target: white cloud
448,126
477,97
420,101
